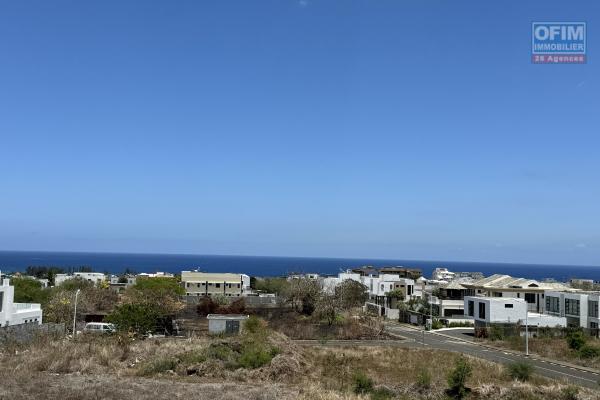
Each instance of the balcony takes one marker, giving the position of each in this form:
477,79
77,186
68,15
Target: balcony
21,307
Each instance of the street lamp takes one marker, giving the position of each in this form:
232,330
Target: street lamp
75,313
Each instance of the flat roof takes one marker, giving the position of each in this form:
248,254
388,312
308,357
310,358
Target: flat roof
227,316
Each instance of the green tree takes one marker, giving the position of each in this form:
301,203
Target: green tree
271,285
136,318
28,290
351,294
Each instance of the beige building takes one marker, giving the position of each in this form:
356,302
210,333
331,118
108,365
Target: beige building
212,284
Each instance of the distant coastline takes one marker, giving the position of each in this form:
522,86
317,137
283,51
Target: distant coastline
271,266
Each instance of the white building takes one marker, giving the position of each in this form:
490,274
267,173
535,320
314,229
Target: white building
156,275
442,274
198,283
530,290
94,277
580,308
12,313
506,310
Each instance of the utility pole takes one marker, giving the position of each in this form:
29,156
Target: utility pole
526,329
75,313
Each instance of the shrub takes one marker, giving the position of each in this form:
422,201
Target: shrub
437,324
589,351
206,306
381,394
424,379
576,340
159,366
255,357
362,383
254,325
570,393
520,370
457,378
496,333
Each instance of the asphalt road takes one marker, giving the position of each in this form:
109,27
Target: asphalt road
455,343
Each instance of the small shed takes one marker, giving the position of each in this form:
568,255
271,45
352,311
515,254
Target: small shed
230,324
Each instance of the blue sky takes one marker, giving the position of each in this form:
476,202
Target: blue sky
391,129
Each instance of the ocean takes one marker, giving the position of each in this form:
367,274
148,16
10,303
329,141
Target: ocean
13,261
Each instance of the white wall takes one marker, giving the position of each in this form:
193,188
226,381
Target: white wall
497,309
12,313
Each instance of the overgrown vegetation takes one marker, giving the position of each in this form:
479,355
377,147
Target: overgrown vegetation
174,368
520,370
457,378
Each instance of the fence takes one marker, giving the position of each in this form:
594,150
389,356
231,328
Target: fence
250,301
27,332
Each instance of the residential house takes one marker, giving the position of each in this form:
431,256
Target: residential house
530,290
580,308
448,299
94,277
198,283
442,274
486,311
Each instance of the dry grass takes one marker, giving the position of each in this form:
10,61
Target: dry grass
552,348
297,326
107,368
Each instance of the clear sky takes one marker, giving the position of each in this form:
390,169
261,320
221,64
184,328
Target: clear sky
400,129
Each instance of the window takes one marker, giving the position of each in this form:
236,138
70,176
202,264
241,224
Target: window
593,325
552,304
496,294
571,306
217,285
530,298
238,285
471,308
593,309
1,300
482,310
508,306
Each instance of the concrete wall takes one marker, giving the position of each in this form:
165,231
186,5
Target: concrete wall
497,309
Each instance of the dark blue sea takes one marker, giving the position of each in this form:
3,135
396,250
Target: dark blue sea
13,261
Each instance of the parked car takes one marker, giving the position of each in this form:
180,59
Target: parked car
99,327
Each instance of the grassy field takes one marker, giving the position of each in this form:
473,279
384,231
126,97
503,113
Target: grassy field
262,364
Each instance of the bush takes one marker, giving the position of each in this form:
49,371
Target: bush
206,306
576,340
520,370
254,325
255,357
137,318
570,393
159,366
437,324
496,333
457,378
424,379
381,394
362,383
589,351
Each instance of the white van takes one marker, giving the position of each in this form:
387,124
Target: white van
99,327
